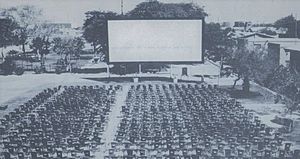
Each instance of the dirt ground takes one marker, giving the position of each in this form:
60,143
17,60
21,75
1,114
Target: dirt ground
15,90
261,102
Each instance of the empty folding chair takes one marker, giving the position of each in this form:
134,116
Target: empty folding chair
46,154
254,153
129,152
184,152
296,154
279,141
21,155
171,152
6,155
195,157
221,146
267,154
273,146
199,151
59,154
214,152
142,152
261,145
207,145
33,155
281,154
111,152
241,153
267,140
87,153
287,147
227,152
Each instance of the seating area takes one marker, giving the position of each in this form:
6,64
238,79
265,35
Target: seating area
63,122
187,121
158,121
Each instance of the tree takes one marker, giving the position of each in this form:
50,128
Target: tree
248,66
57,45
291,24
218,42
26,17
44,30
68,47
284,81
41,47
77,45
95,29
8,32
155,9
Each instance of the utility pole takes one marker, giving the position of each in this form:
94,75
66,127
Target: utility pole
296,29
122,5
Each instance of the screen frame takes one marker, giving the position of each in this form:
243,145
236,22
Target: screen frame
201,61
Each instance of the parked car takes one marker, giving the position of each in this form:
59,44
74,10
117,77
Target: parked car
27,56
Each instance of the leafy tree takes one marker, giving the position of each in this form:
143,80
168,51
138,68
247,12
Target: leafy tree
77,45
95,29
26,17
155,9
57,45
8,32
213,35
68,47
44,30
285,81
290,23
248,66
41,47
218,42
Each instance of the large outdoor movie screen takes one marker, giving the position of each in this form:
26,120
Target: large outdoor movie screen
155,40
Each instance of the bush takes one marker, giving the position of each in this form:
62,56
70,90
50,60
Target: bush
19,71
284,81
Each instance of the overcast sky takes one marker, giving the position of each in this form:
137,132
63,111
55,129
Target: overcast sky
72,11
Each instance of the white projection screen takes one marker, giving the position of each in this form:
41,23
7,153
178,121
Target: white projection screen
166,40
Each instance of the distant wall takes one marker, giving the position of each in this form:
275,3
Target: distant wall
274,53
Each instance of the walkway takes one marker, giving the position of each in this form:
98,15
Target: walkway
113,122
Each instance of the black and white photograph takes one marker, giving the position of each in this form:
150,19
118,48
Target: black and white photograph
150,79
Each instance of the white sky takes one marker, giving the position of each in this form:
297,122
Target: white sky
72,11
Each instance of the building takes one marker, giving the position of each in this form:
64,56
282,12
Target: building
62,30
254,40
286,53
